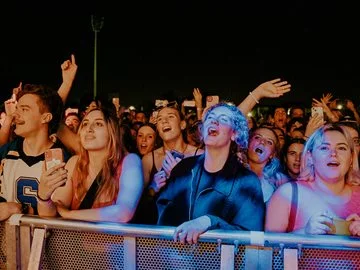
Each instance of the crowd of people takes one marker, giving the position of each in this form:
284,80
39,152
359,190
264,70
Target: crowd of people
211,167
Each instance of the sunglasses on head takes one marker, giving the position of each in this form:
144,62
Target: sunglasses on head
171,104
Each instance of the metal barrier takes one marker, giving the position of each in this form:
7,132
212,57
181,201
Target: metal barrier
31,242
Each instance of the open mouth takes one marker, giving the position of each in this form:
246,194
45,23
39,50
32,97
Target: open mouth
259,150
166,129
213,131
333,164
296,166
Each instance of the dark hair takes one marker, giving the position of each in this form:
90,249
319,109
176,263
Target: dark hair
288,142
293,121
49,101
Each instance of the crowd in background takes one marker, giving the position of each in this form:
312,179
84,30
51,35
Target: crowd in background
197,164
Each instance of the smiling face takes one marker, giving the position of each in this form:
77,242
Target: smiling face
169,124
217,128
145,140
262,145
332,157
94,134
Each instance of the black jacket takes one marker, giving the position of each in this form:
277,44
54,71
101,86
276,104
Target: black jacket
234,201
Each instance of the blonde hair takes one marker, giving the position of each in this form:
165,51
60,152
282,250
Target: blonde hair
307,172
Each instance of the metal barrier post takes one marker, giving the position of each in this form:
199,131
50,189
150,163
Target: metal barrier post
259,258
36,249
130,253
227,257
12,244
24,246
290,259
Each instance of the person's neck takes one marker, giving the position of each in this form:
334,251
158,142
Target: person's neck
178,145
337,188
96,162
257,168
215,158
293,175
36,145
97,158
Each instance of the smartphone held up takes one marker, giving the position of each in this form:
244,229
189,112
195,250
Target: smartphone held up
53,157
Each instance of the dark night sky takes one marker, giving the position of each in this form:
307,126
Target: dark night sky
153,50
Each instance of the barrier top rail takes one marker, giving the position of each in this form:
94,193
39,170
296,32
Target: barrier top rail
166,232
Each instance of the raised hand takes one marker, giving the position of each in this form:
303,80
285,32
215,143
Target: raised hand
313,124
69,69
272,89
197,97
189,231
317,103
326,98
350,105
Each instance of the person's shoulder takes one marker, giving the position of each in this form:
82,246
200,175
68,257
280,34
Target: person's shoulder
286,190
10,146
193,150
185,165
131,159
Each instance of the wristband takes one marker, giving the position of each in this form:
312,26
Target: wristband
42,200
24,208
251,94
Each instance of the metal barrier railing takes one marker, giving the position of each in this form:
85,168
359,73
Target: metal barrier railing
31,242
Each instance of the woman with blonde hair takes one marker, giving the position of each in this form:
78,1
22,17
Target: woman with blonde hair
102,183
326,192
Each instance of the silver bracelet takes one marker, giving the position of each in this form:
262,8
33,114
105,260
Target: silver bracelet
251,94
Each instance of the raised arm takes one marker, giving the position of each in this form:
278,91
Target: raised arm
198,102
69,69
270,89
10,107
324,102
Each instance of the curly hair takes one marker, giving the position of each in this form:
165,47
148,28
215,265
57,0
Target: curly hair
239,126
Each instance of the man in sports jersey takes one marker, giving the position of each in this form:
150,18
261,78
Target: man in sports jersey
38,113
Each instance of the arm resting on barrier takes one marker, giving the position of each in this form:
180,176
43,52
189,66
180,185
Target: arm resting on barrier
130,190
9,208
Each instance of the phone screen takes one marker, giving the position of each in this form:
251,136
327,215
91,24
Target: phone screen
177,154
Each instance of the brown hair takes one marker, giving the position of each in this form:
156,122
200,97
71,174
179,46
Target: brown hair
109,184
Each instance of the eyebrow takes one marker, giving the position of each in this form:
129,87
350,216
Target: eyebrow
341,143
96,119
264,137
169,113
25,106
222,114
